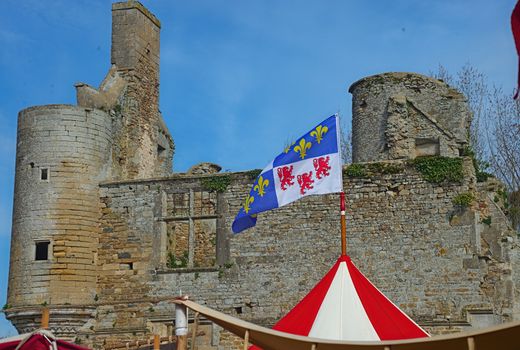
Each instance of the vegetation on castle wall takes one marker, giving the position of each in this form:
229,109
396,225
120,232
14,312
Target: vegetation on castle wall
177,262
438,169
510,204
216,183
253,174
479,165
502,194
487,220
371,169
464,199
224,267
117,108
355,170
482,176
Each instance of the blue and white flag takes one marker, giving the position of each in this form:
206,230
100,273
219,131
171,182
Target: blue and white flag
311,165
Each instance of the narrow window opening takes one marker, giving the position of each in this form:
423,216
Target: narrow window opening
31,164
126,266
44,172
160,149
238,309
42,250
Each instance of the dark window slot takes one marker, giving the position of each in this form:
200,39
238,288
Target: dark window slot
42,250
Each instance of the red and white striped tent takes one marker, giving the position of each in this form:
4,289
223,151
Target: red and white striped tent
345,305
38,340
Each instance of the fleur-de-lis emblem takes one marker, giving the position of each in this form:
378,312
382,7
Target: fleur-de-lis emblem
302,148
319,132
261,185
247,203
288,147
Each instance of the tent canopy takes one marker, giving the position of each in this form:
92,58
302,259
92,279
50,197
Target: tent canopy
39,340
345,305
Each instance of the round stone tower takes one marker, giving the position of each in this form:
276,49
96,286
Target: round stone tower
63,152
405,115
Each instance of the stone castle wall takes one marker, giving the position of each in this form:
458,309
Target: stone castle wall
124,232
404,233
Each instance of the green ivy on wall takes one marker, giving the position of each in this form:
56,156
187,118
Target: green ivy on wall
464,199
479,165
253,174
177,262
355,170
438,169
216,183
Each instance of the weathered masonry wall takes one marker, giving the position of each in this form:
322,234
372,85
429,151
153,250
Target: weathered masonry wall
404,233
62,153
104,233
405,115
145,147
135,36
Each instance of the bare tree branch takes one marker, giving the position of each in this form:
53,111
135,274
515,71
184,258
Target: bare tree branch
495,130
346,144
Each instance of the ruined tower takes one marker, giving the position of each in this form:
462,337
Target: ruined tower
145,145
407,115
63,153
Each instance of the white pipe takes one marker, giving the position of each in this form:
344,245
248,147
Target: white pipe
181,320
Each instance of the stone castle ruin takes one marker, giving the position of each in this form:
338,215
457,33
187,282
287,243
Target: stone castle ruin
104,232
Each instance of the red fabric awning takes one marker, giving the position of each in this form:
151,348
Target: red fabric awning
39,340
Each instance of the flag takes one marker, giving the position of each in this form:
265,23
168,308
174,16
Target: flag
310,165
515,26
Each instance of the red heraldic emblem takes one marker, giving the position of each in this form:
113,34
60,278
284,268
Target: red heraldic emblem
305,181
286,177
322,167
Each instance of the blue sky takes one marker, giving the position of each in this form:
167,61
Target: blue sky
239,78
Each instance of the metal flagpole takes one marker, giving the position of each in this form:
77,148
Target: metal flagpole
343,224
342,193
